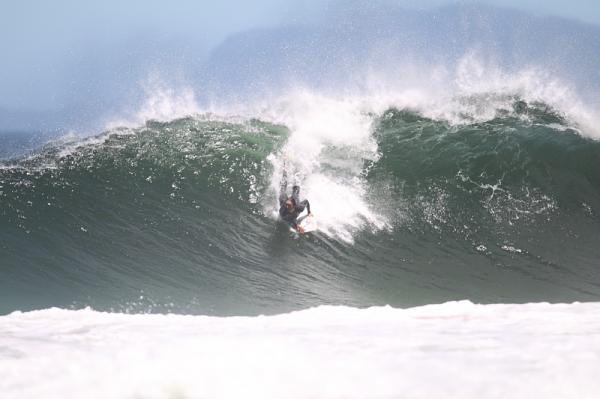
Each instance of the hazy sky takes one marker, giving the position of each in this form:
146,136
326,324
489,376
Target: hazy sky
41,41
585,10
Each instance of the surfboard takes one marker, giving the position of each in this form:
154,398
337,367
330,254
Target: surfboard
309,224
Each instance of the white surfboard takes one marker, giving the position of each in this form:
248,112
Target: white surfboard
309,224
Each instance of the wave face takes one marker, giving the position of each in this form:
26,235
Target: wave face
179,216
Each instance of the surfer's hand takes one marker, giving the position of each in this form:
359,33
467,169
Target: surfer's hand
300,229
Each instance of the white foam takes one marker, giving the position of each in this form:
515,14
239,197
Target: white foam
480,89
331,138
475,89
454,350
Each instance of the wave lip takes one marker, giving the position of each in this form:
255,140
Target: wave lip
471,351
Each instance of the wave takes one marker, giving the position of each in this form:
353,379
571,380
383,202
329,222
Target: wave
414,208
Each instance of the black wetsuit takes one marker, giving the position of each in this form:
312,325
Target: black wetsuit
291,216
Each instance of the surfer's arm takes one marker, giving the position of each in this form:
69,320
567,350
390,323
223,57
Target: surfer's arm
283,188
304,204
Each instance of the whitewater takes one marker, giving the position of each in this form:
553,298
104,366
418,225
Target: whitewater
454,350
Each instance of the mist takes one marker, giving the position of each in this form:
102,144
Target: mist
70,66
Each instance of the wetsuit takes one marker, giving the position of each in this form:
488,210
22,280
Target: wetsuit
291,216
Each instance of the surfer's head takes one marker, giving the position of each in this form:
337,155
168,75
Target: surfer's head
290,203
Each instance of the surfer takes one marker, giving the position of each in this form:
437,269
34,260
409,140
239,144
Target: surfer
291,207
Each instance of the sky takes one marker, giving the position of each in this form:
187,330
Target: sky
40,39
584,10
48,48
